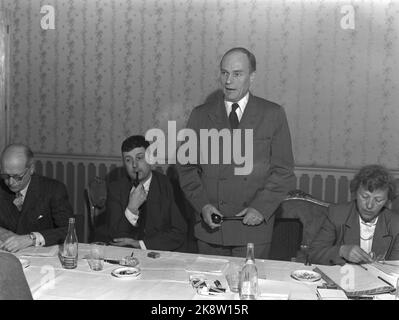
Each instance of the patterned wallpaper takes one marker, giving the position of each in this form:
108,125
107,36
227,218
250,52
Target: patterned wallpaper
112,68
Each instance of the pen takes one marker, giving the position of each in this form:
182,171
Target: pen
363,267
385,281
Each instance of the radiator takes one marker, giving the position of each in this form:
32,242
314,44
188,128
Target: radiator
327,184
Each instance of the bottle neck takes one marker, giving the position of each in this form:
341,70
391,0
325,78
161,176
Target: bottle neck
250,254
71,226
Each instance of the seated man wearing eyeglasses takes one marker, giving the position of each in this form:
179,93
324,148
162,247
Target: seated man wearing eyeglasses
364,229
140,205
34,210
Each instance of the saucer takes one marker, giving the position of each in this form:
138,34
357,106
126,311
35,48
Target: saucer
306,275
126,272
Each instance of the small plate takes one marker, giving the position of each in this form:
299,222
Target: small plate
306,275
25,262
126,272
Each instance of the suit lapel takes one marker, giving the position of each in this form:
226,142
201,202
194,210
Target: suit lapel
125,192
351,232
382,239
218,115
154,190
31,197
251,115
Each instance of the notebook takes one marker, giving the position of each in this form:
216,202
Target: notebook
331,294
354,280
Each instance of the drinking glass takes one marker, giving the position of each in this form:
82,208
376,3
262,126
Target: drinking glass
233,277
96,256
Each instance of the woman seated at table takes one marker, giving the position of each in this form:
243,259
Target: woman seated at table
364,228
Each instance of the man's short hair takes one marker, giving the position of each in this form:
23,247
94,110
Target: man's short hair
374,177
250,56
133,142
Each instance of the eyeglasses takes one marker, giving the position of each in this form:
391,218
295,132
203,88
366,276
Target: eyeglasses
16,177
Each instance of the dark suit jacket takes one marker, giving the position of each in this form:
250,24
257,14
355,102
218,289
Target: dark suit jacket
46,209
342,227
165,227
263,189
13,284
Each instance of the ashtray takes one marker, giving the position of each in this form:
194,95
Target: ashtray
126,272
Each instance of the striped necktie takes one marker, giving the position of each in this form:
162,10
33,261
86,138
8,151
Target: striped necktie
19,200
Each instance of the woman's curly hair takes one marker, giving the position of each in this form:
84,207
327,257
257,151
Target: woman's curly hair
374,177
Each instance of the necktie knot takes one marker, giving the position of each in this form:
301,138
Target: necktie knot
19,200
233,118
234,107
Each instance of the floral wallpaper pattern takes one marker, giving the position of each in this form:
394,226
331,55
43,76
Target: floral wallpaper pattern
112,68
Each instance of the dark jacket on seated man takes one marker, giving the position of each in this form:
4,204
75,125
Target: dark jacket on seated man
13,285
46,209
342,227
164,228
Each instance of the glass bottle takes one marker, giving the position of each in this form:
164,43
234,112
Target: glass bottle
249,276
70,250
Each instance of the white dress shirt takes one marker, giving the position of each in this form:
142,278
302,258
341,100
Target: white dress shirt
239,111
367,230
39,238
132,217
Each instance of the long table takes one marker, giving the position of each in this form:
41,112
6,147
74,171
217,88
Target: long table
163,278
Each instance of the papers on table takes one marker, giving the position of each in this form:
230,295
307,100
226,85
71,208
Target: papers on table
355,280
389,271
389,267
39,251
273,290
208,265
331,294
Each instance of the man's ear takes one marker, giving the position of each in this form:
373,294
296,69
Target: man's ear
252,77
32,168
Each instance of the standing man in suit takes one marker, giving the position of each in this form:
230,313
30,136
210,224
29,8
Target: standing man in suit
216,189
141,207
34,210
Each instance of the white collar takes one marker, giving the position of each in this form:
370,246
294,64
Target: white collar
146,184
241,103
370,224
25,190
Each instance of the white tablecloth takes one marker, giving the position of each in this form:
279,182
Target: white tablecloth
163,278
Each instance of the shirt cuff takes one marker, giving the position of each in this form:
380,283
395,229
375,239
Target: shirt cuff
40,242
142,245
131,217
